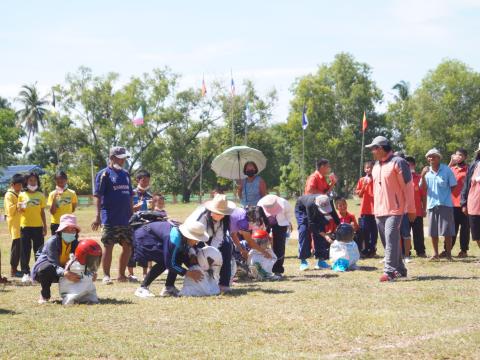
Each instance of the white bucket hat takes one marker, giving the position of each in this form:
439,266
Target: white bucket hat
220,205
194,230
433,151
323,204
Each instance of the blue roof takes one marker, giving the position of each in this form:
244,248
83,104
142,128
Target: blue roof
7,173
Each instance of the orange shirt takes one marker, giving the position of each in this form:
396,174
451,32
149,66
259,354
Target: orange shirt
366,207
316,184
419,193
460,173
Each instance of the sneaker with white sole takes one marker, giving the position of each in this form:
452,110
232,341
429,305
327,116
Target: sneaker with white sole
303,265
26,279
132,278
169,291
42,300
106,280
322,264
143,292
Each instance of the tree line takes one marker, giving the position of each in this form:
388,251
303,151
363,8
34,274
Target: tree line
184,130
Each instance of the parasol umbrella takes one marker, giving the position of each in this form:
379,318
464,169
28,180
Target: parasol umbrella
230,163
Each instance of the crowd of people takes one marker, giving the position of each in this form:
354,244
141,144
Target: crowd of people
219,241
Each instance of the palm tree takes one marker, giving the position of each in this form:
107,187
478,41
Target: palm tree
33,112
403,89
4,104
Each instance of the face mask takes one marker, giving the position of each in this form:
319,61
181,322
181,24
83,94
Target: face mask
68,238
117,167
61,190
32,187
250,173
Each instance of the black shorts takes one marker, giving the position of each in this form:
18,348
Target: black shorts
117,235
474,221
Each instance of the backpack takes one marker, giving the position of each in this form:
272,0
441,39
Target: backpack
141,218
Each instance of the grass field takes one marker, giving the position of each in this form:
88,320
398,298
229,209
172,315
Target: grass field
318,314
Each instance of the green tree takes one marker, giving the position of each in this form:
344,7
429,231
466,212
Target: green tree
10,135
335,97
33,111
444,110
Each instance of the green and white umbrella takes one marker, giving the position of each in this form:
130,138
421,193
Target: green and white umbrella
230,163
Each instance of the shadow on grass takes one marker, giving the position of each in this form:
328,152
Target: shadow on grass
441,277
245,291
103,301
367,268
7,312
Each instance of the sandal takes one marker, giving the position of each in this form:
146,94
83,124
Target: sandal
434,258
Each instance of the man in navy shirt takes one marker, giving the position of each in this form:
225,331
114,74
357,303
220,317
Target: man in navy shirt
114,194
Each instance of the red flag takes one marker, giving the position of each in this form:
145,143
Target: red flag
364,124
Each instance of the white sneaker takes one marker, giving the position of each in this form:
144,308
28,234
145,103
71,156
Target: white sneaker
168,291
106,280
42,301
26,279
143,292
408,259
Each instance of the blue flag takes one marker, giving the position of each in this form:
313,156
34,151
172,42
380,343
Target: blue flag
304,118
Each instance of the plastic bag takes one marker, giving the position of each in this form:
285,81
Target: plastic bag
83,291
261,267
344,255
208,286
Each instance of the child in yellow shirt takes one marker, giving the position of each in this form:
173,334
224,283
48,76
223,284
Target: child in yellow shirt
10,204
33,225
62,200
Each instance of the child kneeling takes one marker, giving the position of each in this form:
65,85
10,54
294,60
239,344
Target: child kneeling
344,252
260,266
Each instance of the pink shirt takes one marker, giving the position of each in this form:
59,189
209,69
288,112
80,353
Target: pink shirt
393,190
473,203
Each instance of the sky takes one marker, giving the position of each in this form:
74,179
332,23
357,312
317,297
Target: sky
269,42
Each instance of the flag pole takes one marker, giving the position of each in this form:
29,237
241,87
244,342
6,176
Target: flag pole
231,107
201,169
92,174
363,147
302,185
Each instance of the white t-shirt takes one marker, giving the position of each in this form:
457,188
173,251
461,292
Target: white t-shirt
217,234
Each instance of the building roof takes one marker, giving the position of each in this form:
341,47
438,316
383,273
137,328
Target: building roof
7,173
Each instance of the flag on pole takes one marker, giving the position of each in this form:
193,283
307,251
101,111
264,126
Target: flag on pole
232,84
248,114
364,123
204,87
304,118
138,119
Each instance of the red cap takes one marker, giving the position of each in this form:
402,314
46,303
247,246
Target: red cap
259,234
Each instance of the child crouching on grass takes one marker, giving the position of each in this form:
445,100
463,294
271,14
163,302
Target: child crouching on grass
349,218
344,252
261,266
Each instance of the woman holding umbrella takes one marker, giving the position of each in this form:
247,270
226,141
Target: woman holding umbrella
230,164
253,188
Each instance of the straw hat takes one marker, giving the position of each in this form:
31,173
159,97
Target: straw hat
434,152
220,205
194,230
